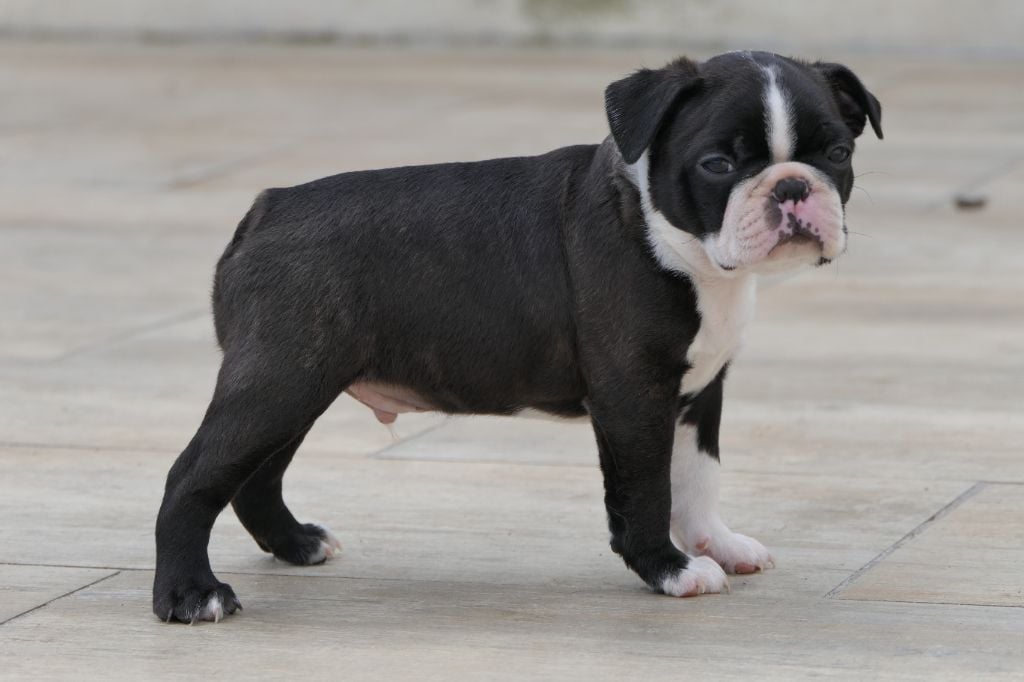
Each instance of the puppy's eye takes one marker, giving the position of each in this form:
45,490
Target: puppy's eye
718,165
839,154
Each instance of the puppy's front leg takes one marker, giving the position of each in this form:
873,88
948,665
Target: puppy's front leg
635,444
696,523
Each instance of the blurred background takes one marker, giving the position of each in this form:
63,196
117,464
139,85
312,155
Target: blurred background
990,27
872,422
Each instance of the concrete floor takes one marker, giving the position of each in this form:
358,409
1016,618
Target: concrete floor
872,433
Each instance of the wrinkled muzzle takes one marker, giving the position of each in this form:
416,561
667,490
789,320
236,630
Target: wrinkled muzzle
787,215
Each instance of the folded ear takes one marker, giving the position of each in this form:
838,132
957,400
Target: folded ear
854,100
637,105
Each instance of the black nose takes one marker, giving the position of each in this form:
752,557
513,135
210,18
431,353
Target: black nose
793,189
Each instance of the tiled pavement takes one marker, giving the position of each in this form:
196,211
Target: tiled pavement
872,436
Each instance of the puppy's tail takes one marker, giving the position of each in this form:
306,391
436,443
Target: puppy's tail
252,218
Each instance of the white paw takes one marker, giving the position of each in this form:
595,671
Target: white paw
734,552
330,547
701,576
212,610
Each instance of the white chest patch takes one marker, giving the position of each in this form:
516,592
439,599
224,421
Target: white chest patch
725,299
726,307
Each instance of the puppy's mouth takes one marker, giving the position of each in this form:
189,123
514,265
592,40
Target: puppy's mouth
797,239
799,242
793,223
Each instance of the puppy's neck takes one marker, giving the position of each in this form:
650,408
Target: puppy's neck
675,250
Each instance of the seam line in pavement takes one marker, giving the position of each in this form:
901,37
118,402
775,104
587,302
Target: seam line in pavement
214,171
18,444
380,455
376,454
129,334
66,594
257,574
129,569
921,527
932,603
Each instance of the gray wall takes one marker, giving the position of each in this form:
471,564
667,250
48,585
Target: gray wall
929,26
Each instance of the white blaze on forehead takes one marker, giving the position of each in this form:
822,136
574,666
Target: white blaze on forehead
778,117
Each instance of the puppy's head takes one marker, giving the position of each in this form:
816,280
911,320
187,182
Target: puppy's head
747,155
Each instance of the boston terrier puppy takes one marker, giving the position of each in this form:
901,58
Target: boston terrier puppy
610,282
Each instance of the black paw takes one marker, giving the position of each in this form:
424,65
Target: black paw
308,544
195,603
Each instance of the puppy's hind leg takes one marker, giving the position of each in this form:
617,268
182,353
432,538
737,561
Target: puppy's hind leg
262,403
261,509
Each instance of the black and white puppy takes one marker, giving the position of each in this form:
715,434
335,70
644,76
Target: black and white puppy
609,281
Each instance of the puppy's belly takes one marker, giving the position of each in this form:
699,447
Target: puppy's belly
387,402
543,415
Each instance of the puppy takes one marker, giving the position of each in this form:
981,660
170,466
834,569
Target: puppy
610,282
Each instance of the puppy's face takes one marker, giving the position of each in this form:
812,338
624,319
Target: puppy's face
747,155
